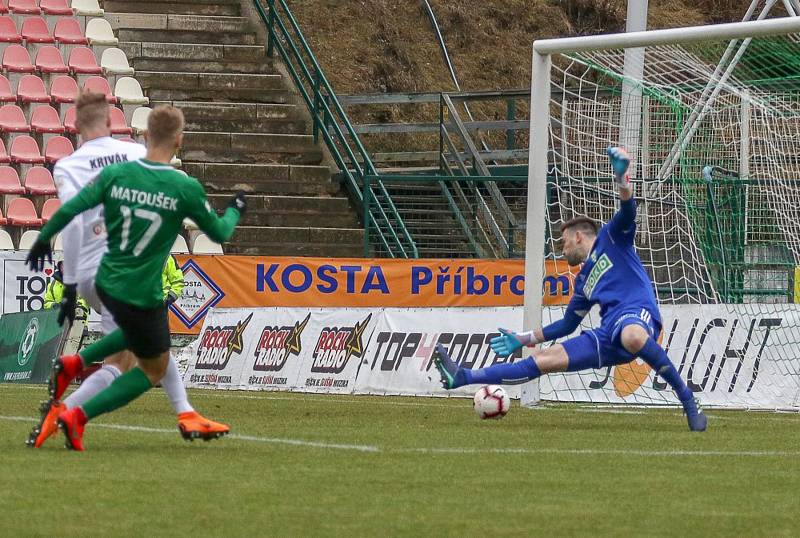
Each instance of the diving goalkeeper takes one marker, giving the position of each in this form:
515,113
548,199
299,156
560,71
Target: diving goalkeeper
613,277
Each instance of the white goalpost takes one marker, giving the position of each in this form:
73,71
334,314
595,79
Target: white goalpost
717,174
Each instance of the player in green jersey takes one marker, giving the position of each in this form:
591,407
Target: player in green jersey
144,202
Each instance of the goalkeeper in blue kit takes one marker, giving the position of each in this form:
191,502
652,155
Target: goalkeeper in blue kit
613,277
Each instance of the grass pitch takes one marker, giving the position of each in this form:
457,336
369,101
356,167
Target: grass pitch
313,465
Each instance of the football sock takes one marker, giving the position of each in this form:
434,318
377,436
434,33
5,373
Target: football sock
122,391
658,360
503,374
111,343
92,385
173,385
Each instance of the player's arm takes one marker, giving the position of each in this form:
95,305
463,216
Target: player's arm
72,233
218,229
623,224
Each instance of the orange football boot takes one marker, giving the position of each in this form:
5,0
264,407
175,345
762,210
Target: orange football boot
193,425
48,425
72,423
65,369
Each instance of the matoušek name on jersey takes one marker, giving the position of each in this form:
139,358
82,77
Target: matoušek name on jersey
160,200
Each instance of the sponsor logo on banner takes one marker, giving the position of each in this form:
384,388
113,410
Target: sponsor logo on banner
23,289
218,345
28,342
334,348
275,346
200,293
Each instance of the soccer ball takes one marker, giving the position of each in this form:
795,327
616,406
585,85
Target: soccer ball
491,401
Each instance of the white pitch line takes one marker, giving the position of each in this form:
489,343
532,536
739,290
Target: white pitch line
269,440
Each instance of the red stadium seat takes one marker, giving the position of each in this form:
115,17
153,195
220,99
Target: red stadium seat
118,124
23,7
35,30
45,120
99,85
68,32
6,93
49,60
83,62
22,213
39,180
49,208
64,89
12,120
3,222
9,181
31,90
56,7
3,7
17,60
70,118
4,158
8,31
25,150
56,148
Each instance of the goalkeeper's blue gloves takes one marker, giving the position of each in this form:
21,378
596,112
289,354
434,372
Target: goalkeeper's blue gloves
620,161
508,341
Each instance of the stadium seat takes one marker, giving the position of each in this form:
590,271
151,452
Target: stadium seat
83,62
17,60
58,243
28,239
45,120
87,8
12,120
35,30
6,93
3,7
56,148
55,8
49,60
118,124
8,31
139,120
31,90
5,239
115,63
97,84
179,246
68,32
70,118
23,7
129,92
9,181
22,213
204,245
39,180
63,89
50,206
127,139
25,150
99,33
4,158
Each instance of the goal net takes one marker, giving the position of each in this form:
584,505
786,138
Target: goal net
714,130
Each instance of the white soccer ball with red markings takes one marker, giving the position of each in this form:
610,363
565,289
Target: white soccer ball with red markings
491,401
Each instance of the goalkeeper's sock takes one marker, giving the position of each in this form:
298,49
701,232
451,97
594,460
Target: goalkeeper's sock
108,345
655,356
92,385
173,385
503,374
122,391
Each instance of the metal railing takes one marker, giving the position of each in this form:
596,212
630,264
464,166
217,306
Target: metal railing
331,123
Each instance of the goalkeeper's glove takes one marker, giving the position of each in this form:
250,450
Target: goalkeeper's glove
38,253
68,303
239,203
508,341
620,161
170,298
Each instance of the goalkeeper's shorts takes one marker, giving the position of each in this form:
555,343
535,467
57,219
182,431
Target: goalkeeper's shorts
145,329
601,347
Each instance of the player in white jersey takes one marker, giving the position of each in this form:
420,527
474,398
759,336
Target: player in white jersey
84,245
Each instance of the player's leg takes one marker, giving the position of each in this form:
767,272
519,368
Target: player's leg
638,342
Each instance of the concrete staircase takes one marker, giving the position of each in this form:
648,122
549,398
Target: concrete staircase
244,129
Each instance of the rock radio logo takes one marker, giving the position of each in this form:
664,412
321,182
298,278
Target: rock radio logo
218,344
276,344
336,345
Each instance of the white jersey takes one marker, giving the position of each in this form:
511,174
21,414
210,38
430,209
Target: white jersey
85,237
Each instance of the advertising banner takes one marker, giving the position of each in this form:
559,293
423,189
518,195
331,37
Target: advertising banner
29,341
251,282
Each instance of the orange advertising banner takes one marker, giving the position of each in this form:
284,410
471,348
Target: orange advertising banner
250,281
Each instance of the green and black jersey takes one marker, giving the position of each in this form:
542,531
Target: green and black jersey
144,204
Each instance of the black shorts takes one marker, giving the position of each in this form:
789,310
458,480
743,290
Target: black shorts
146,330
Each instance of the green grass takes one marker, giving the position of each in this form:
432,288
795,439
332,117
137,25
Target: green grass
579,471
